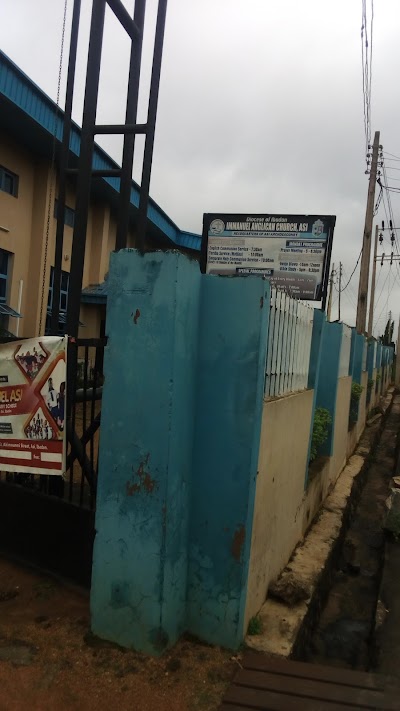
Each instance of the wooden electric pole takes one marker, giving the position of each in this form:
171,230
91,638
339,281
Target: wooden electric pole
329,309
372,299
366,248
340,287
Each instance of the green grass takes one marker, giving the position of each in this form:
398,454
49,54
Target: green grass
255,626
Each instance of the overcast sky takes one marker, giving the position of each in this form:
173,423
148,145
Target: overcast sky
260,109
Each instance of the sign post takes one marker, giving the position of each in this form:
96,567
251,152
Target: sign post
32,405
292,251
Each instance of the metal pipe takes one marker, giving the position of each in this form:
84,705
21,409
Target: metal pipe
121,238
55,311
119,128
125,19
85,165
151,123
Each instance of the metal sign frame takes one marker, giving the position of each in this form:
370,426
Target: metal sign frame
328,220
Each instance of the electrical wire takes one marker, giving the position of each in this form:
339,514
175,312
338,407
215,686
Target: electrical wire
391,216
366,66
352,273
386,305
391,154
381,291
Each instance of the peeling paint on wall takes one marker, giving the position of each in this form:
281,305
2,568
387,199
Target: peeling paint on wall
136,316
146,483
238,542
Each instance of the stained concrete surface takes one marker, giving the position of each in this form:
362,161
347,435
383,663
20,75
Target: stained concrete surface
345,633
387,638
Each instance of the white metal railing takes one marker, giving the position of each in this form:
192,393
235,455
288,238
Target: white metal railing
289,345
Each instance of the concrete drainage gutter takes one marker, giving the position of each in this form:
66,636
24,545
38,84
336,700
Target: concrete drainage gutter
287,628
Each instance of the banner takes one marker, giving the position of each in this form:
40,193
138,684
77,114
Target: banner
291,251
32,405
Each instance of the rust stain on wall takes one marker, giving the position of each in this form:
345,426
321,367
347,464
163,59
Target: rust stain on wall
238,541
136,316
145,482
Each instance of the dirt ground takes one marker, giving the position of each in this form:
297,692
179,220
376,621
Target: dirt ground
49,659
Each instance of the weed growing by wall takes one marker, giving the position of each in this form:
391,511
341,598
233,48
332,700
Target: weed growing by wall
356,391
321,424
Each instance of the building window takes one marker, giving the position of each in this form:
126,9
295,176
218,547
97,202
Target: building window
8,181
4,266
4,257
64,285
69,214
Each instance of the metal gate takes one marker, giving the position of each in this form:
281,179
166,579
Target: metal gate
48,521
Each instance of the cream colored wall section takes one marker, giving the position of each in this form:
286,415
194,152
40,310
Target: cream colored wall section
37,252
26,219
277,524
362,410
16,216
374,400
283,509
356,431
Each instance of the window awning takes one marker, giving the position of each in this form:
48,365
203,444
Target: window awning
62,317
8,311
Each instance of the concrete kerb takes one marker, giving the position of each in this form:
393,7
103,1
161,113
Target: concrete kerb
287,628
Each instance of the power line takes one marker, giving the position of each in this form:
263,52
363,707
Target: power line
352,273
391,154
366,66
385,306
381,291
390,209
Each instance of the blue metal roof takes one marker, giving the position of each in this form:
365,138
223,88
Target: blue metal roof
27,97
95,293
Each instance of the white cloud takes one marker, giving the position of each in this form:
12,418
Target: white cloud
260,107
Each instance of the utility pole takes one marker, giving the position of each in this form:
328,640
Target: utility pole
340,285
366,248
372,299
397,375
329,309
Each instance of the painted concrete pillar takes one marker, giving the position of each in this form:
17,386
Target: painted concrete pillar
328,383
371,356
356,357
319,325
140,552
371,368
181,419
233,334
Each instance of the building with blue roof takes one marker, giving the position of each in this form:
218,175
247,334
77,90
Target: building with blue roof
31,127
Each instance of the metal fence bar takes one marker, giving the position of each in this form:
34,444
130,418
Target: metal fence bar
283,368
277,332
272,313
278,367
295,305
289,345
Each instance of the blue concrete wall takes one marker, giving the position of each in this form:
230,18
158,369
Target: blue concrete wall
356,356
329,376
140,553
181,419
371,356
352,350
319,325
231,370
